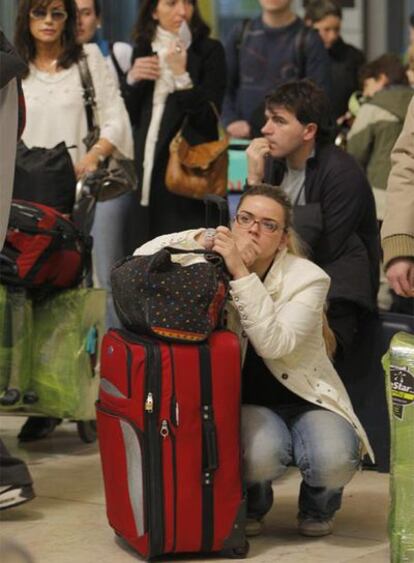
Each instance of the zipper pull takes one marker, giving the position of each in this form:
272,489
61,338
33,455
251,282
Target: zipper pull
164,429
149,403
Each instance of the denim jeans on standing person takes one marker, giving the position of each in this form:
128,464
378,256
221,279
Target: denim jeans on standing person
322,444
110,232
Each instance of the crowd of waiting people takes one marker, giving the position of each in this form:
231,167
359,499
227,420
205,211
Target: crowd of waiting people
304,247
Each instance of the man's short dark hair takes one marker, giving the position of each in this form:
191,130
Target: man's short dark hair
317,10
308,103
388,64
98,8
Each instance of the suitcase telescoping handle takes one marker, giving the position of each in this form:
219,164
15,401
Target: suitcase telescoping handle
218,204
210,461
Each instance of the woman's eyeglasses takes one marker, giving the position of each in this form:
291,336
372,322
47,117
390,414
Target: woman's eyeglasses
42,13
247,220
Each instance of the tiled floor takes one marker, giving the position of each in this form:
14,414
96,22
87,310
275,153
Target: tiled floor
66,523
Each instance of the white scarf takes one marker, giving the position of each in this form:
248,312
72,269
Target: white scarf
164,86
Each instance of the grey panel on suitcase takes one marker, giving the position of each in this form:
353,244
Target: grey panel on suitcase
135,475
110,389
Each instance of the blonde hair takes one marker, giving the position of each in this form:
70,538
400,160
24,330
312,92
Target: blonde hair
295,245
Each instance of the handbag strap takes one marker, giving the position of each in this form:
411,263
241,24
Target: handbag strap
89,96
213,257
216,113
207,253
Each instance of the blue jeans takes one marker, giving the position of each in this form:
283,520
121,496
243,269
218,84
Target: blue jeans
322,444
110,232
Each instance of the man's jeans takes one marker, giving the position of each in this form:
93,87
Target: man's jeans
110,230
322,444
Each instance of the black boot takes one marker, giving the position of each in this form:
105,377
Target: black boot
37,427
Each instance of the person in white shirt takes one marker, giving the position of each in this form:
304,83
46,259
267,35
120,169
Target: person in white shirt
121,211
46,40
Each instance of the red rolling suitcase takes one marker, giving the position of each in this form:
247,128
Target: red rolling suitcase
169,432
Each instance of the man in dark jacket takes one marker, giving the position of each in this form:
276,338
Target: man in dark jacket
261,54
334,206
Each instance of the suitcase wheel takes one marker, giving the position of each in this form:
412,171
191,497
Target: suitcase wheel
87,430
238,552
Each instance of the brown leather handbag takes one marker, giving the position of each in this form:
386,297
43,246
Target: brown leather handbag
195,171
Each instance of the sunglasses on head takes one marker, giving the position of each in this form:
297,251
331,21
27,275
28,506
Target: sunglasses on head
42,13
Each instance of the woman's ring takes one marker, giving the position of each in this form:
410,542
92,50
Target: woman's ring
178,49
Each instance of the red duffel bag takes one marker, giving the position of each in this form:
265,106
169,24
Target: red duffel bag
43,249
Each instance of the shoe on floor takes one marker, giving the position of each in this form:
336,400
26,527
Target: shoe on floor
253,527
315,528
14,495
37,427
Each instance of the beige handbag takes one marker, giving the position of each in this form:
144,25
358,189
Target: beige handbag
195,171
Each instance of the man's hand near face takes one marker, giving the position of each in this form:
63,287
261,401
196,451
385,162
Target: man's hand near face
256,153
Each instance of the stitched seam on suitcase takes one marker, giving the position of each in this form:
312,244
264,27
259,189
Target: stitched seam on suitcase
208,476
174,417
156,500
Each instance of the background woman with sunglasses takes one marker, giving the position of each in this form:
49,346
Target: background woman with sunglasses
46,40
296,409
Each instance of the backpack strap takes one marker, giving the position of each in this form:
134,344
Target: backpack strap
115,62
300,49
246,25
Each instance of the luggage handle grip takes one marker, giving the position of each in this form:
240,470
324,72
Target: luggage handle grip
161,262
210,457
214,201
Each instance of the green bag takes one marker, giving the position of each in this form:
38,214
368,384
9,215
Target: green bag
68,330
16,334
399,367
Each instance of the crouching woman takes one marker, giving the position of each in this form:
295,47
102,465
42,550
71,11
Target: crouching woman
296,410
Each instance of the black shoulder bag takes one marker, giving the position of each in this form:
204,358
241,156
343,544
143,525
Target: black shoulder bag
116,175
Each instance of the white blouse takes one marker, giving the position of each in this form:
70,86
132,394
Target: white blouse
55,109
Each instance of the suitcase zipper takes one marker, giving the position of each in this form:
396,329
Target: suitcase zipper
149,403
151,409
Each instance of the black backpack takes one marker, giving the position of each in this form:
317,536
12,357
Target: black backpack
45,176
